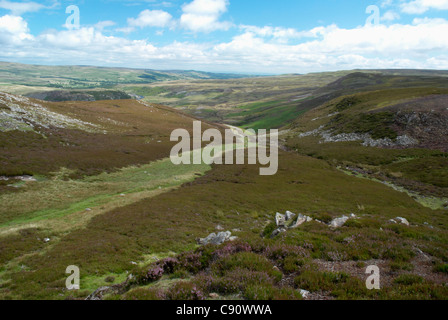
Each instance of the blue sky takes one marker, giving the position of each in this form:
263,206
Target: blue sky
247,36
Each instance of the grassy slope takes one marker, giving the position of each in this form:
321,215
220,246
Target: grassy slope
374,112
135,134
237,197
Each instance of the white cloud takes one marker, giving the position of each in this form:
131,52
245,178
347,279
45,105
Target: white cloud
390,16
18,8
151,18
277,33
13,29
254,49
104,24
421,6
204,15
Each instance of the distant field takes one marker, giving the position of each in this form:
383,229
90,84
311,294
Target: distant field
22,79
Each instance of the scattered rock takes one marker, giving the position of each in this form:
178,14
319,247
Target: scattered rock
301,219
213,296
403,221
278,231
304,293
27,178
285,222
134,263
88,209
339,222
289,215
280,220
219,228
46,240
217,239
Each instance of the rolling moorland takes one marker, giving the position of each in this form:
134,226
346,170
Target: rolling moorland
363,165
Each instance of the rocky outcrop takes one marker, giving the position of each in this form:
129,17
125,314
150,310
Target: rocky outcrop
20,113
339,222
367,140
217,239
400,220
285,222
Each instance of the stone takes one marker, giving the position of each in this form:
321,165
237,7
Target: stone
213,296
216,239
219,227
289,215
301,219
403,221
304,293
339,222
46,240
277,232
280,220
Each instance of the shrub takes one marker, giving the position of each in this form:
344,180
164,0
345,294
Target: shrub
185,291
269,229
271,293
192,262
409,280
169,265
292,264
320,281
246,261
153,274
279,252
144,294
398,254
399,265
443,268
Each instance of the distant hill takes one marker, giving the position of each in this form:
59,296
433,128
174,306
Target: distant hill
88,77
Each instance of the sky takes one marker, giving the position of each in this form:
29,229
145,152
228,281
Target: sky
234,36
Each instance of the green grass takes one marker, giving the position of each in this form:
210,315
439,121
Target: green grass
37,202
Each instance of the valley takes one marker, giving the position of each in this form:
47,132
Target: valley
369,146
